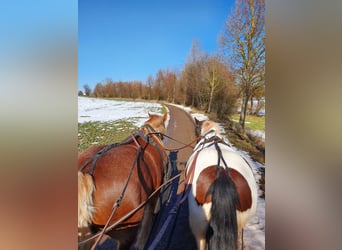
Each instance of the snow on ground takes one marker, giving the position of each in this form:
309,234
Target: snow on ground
92,109
258,133
201,117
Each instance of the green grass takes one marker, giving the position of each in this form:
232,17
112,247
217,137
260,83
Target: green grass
97,133
252,122
253,145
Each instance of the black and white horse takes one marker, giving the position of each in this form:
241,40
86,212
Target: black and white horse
223,195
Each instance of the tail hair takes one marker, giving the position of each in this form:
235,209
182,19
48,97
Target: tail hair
86,208
223,229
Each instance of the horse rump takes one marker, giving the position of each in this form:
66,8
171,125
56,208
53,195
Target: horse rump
223,230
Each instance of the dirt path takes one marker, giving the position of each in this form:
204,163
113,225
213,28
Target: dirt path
181,128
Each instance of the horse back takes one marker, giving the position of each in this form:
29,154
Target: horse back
111,173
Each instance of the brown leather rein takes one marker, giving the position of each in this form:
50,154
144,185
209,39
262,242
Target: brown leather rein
104,230
176,149
107,228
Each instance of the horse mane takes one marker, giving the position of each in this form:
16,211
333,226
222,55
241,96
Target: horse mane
208,126
157,121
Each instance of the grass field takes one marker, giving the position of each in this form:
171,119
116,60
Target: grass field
112,120
93,133
252,122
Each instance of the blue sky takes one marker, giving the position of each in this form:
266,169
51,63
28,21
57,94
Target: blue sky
130,40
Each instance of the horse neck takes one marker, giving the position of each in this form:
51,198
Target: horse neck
148,130
158,144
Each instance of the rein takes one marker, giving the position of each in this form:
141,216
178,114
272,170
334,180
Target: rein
104,230
131,139
176,149
118,201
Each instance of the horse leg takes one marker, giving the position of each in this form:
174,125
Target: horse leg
240,239
124,237
202,244
198,221
242,246
83,234
145,225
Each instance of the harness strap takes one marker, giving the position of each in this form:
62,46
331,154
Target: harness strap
166,168
104,150
131,212
189,177
119,200
96,157
220,156
128,140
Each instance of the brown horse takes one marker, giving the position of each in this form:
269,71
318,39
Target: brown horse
122,176
223,195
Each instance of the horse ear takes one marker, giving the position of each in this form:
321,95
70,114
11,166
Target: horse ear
196,121
164,117
149,114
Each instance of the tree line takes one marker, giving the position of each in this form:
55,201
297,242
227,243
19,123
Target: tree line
219,83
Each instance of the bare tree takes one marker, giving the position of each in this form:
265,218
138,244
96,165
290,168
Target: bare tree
193,76
99,90
109,88
259,95
243,41
87,89
169,84
150,83
158,87
221,89
214,78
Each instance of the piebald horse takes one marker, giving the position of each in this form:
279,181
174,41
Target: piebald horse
122,176
223,195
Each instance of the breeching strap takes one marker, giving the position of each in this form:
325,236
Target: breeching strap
96,157
131,212
118,201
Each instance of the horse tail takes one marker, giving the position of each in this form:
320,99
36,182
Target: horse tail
86,209
223,229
